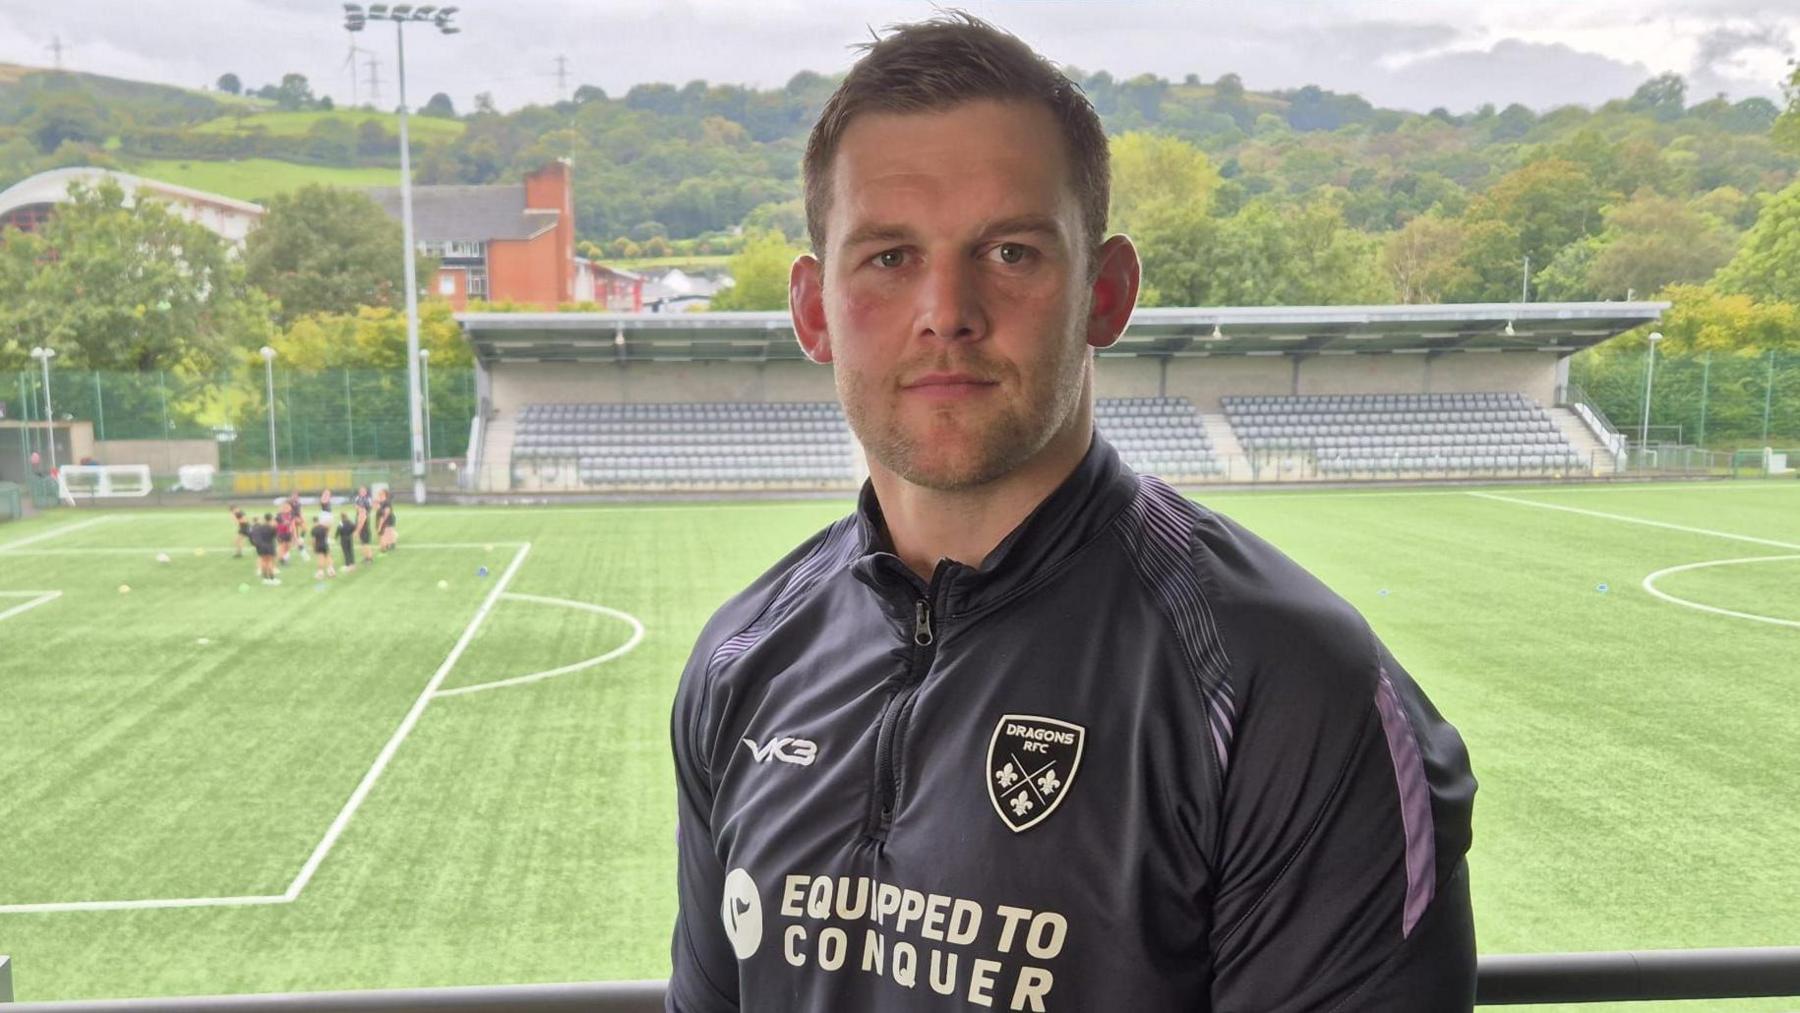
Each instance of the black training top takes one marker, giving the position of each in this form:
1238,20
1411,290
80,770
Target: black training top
346,527
321,537
1138,760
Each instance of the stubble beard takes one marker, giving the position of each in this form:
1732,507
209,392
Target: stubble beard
957,450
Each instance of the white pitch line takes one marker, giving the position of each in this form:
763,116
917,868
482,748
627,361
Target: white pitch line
60,907
55,532
637,634
406,726
37,598
1636,520
1650,586
342,821
225,550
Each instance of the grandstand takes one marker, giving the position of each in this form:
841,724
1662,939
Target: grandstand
602,403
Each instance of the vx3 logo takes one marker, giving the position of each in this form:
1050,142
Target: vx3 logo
799,752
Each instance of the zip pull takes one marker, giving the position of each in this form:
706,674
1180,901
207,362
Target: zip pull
922,624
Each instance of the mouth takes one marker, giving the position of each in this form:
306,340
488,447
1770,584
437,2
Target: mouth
943,386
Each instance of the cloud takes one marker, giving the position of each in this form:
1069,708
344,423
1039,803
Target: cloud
1537,75
1736,58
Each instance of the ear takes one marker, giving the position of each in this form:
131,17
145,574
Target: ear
1115,291
806,304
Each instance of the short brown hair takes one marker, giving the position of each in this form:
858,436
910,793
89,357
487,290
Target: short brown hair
943,62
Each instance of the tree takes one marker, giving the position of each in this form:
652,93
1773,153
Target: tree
439,105
1652,242
759,274
117,282
1150,171
230,85
1663,96
586,93
370,337
320,249
64,117
1767,265
1420,258
294,92
373,140
1535,210
1786,130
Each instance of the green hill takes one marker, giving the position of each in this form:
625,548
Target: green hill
296,124
257,179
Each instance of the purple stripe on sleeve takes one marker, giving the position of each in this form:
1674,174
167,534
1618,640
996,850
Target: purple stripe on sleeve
1159,531
1415,804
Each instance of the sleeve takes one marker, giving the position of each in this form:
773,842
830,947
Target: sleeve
1342,880
704,976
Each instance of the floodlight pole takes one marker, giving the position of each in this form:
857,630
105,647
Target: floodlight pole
355,18
1649,378
268,358
425,368
413,399
43,356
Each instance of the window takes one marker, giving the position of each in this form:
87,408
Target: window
478,283
446,283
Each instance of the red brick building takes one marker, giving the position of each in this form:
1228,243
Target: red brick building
511,242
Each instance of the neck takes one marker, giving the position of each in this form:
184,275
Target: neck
926,525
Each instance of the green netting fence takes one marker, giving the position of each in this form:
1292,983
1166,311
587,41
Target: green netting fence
339,416
1723,401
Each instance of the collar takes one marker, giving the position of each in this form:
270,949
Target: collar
1066,520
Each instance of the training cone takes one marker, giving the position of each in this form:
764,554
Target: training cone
124,588
443,585
481,571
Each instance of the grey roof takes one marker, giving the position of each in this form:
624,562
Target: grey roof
471,213
1176,332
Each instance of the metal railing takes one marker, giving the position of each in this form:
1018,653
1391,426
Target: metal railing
1503,980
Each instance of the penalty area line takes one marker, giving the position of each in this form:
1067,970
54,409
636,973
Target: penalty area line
338,825
406,726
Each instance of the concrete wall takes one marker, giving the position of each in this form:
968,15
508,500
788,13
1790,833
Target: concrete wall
1532,374
1128,377
163,456
521,383
1202,380
1205,380
1362,374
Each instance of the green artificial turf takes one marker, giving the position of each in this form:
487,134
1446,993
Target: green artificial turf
1636,756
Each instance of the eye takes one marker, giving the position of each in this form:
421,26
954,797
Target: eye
1013,253
890,258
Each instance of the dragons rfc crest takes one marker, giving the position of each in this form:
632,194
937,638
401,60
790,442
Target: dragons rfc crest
1031,764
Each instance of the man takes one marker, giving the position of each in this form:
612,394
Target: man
1027,730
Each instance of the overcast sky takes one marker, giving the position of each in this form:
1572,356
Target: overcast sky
1413,55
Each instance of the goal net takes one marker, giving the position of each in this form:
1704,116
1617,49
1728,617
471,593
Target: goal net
103,481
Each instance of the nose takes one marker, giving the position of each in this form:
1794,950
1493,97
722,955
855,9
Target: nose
949,302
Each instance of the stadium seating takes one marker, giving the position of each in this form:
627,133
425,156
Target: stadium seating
1397,434
1161,436
689,445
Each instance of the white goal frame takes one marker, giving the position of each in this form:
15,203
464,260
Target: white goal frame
103,481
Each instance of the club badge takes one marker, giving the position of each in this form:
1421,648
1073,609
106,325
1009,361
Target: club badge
1031,763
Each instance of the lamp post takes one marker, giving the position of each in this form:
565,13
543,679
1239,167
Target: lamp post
43,355
425,369
268,357
1649,378
355,18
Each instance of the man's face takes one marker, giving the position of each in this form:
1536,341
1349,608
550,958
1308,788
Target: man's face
954,290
